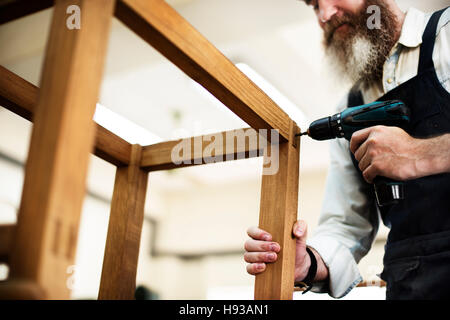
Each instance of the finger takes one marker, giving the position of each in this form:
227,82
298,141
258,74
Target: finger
258,257
255,268
365,162
361,151
300,231
261,246
370,173
259,234
358,138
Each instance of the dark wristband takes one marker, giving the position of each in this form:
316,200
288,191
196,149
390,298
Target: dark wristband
307,283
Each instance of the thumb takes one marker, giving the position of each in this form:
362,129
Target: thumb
300,231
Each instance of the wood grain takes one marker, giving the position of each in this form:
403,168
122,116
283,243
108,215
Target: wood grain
278,213
62,137
234,144
111,147
118,279
21,96
162,27
17,95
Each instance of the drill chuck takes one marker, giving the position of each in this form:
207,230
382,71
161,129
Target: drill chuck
321,129
344,124
326,128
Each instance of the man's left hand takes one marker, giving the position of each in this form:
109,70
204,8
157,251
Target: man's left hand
386,151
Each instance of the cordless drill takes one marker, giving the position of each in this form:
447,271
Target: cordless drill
344,124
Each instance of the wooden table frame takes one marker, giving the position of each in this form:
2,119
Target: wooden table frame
43,242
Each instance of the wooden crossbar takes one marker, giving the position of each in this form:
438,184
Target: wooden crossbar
20,97
210,148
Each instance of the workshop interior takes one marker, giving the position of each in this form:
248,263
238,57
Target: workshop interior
90,113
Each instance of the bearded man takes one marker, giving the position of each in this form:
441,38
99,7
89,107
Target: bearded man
406,58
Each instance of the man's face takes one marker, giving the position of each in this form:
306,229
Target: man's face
357,51
327,11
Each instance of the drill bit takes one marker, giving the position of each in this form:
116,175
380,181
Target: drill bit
301,134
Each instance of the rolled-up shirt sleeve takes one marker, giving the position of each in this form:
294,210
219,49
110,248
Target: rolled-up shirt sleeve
348,222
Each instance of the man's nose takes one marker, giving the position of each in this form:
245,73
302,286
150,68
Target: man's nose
327,9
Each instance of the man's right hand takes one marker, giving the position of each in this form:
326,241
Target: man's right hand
260,249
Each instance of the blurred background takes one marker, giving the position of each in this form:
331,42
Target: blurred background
195,218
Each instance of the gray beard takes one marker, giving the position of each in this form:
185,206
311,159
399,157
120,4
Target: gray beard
359,61
361,56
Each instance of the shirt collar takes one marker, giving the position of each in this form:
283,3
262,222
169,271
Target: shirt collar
412,29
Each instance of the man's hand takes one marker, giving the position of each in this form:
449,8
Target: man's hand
260,249
391,152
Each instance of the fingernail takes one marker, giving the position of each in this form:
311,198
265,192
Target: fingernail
273,247
299,231
271,256
260,266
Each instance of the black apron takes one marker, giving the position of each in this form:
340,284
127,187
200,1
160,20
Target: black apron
417,253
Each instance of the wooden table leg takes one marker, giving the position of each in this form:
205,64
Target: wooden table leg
124,231
278,213
62,139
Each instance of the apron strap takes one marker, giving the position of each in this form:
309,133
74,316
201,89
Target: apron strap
428,39
355,97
